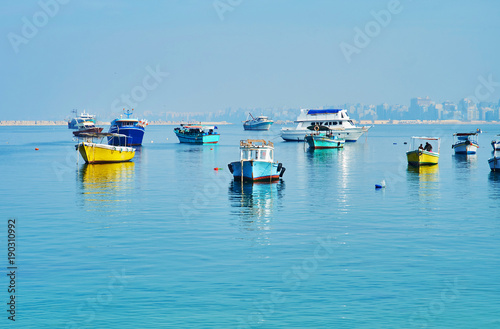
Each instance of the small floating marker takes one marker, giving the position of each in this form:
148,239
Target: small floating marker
405,143
211,149
394,143
381,185
216,169
151,141
36,148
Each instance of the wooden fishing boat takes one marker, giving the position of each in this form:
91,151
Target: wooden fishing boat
424,155
98,152
494,163
256,162
86,127
323,138
465,143
197,134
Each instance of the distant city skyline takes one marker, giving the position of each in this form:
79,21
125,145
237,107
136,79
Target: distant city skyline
210,56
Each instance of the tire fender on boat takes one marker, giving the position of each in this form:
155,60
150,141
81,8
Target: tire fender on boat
280,165
282,171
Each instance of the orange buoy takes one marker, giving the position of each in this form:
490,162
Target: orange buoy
36,148
216,168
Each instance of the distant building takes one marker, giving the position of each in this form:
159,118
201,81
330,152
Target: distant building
383,112
468,109
419,108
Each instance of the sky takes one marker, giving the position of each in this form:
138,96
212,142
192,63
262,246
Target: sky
211,55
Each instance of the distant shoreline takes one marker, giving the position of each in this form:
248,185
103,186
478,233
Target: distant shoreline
173,123
99,123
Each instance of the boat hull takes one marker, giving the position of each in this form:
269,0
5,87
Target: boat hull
465,148
198,138
494,164
323,142
257,126
134,133
297,135
422,158
102,153
88,131
255,171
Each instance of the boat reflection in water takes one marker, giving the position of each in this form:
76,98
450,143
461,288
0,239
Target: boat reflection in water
494,187
425,181
324,155
465,161
105,187
254,204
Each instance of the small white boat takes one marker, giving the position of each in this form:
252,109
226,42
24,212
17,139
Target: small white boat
259,123
494,163
496,143
465,143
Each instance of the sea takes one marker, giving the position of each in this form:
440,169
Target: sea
169,240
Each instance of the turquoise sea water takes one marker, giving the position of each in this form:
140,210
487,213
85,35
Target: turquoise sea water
168,242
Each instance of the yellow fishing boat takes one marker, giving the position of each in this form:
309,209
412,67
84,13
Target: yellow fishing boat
424,155
103,153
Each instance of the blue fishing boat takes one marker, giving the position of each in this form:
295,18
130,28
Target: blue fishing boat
132,128
197,134
323,138
256,162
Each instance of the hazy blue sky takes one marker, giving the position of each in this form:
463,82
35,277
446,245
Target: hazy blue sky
240,53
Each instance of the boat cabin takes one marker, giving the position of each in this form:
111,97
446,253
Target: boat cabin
430,144
461,137
196,130
337,119
256,150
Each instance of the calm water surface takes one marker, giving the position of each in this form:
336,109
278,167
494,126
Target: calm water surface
166,241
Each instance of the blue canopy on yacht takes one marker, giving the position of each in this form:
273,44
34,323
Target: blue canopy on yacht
323,111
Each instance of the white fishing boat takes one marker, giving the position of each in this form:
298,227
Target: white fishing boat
336,120
84,117
465,143
258,123
494,163
496,143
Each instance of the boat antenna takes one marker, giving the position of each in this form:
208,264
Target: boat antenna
251,116
128,113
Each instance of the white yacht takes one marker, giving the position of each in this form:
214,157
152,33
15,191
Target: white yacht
335,120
